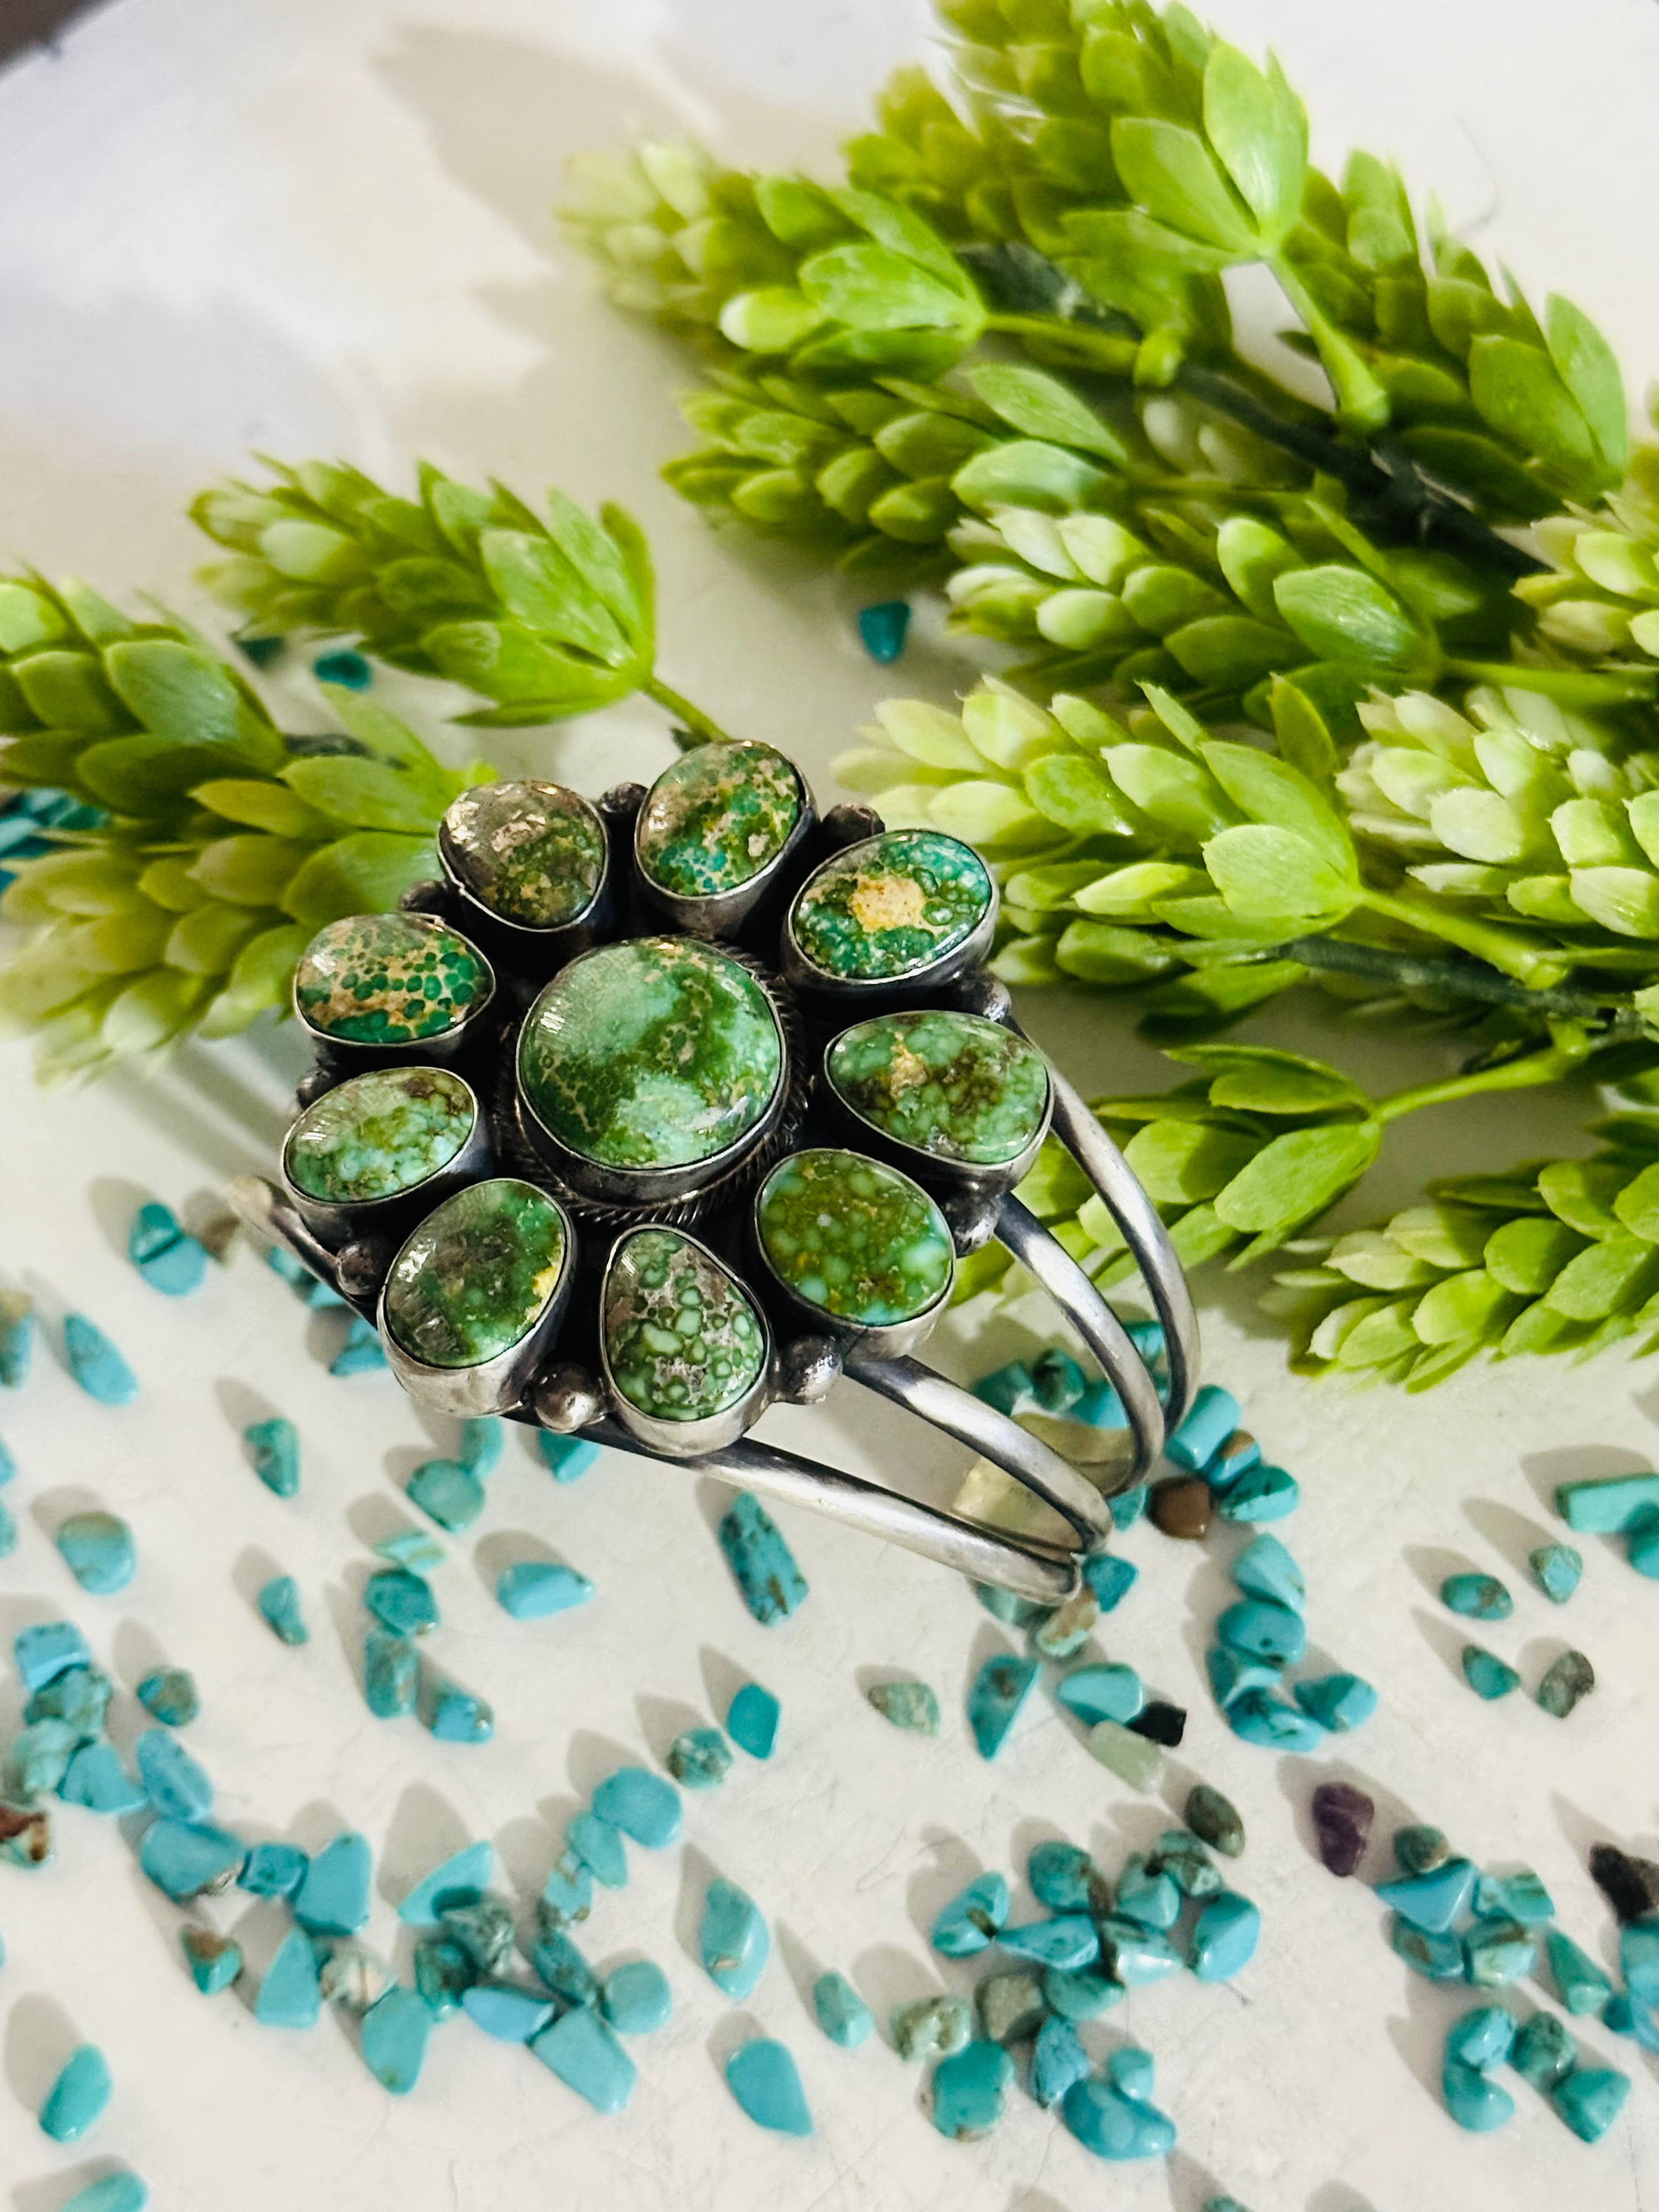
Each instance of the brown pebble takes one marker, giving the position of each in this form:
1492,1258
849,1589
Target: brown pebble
1342,1817
1182,1506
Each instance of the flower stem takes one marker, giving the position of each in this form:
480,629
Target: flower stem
1550,1066
1499,948
696,728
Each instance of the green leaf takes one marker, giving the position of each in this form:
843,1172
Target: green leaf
261,806
1056,1185
1623,900
1346,615
1077,794
601,562
1047,890
928,734
509,663
1095,952
1264,874
1271,791
1177,792
1260,1079
1610,1278
1028,473
250,870
1590,369
144,776
1526,1256
1259,127
365,794
261,976
1481,468
1301,733
363,873
1230,652
872,288
901,231
1170,173
181,695
1371,1257
1582,1193
772,318
66,690
1379,1338
537,583
28,619
1637,1205
986,813
1253,557
94,881
1135,892
1180,1163
205,941
1518,394
1297,1177
1041,406
1473,1309
150,1013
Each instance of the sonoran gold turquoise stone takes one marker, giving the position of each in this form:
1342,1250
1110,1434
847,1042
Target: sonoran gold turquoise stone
888,907
658,1053
681,1338
475,1277
952,1084
714,819
534,853
858,1240
380,1134
388,979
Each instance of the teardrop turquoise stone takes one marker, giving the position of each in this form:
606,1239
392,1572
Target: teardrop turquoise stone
532,852
681,1338
389,979
715,818
476,1275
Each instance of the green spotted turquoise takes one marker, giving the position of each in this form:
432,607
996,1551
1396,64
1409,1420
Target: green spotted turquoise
891,906
388,979
656,1053
955,1085
681,1338
714,819
380,1134
857,1240
532,852
475,1277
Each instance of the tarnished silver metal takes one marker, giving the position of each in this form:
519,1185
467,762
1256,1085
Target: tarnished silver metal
807,1369
566,1399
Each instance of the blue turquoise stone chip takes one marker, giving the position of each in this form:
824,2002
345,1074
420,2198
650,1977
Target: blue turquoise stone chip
636,1998
411,1547
1257,1629
447,1492
1482,2037
1180,1855
361,1351
1009,1389
732,1940
771,1585
1129,1506
751,1720
1607,1505
401,1602
641,1804
1431,1901
1225,1938
175,1783
1131,2071
1437,1958
1519,1896
112,2192
507,2012
1487,1675
80,1695
1113,2126
1058,2059
1062,1876
1238,1455
333,1899
76,2098
1135,1955
484,1439
973,1919
99,1550
968,2089
187,1861
584,2053
40,1756
166,1256
348,669
392,1674
170,1696
290,1995
1254,1716
1638,1958
1624,2015
699,1759
1543,2051
1265,1493
393,2036
1474,2102
1110,1577
458,1717
1104,1692
1338,1702
1209,1421
1642,1547
1556,1569
598,1844
841,2012
561,1967
96,1779
273,1446
763,2078
1265,1569
1082,1995
1000,1688
460,1880
535,1589
1147,1894
273,1869
883,629
214,1961
1068,1942
279,1606
567,1458
96,1364
1590,2100
1580,1982
567,1892
1478,1597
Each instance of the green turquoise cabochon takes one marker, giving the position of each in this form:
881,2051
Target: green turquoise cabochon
857,1240
891,906
392,979
955,1085
532,852
660,1052
682,1339
716,817
477,1274
380,1134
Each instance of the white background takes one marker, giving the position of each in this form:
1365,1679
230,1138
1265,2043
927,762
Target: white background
323,228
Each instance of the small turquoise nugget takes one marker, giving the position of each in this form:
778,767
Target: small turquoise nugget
1478,1597
566,1458
446,1492
1486,1674
1058,2059
1225,1938
1067,1942
1338,1702
1261,1630
582,2050
392,1671
909,1706
393,2035
1256,1717
507,2012
641,1804
1543,2051
96,1364
279,1604
1431,1901
361,1351
1590,2100
289,1996
1556,1569
841,2012
751,1720
1519,1896
1104,1692
115,2192
1063,1877
883,629
214,1961
732,1940
1265,1493
763,2078
969,2090
1000,1688
173,1782
96,1779
460,1880
1110,1577
1265,1569
1210,1420
169,1260
698,1759
535,1589
1474,2102
401,1602
636,1998
273,1869
1581,1985
273,1446
1482,2039
76,2098
99,1550
171,1696
770,1584
1113,2126
333,1899
971,1921
597,1843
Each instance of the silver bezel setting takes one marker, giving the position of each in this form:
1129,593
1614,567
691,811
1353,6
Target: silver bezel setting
721,914
357,1054
337,1221
713,1432
885,1339
985,1178
878,993
542,947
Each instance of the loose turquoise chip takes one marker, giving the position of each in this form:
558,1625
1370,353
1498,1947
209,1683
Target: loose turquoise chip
115,2192
1642,1546
1590,2100
1225,1938
1064,1632
698,1759
1102,1692
413,1548
1437,1958
169,1260
762,2076
968,2089
1110,1578
584,2054
1265,1569
883,629
1265,1493
1580,1982
911,1706
1113,2126
40,1756
214,1961
484,1439
1209,1423
1486,1674
771,1585
1215,1821
458,1717
1624,2015
348,669
973,1919
1082,1996
362,1352
732,1939
1638,1958
1062,1876
1421,1848
1182,1857
1135,1955
173,1782
535,1589
1478,1597
443,1974
1130,2071
841,2012
171,1696
1005,1605
401,1602
1431,1901
279,1605
273,1446
1609,1507
1256,1717
99,1552
597,1843
932,2027
1067,1942
1238,1455
641,1804
96,1364
7,1531
273,1869
446,1492
188,1861
76,2098
1231,1673
1010,1389
1569,1680
567,1458
1127,1507
333,1899
560,1965
393,2032
1147,1894
507,2012
391,1672
1338,1702
1519,1896
290,1995
751,1720
635,1998
1474,2102
16,1339
460,1880
1000,1688
1011,2006
1556,1569
1543,2051
484,1930
1258,1629
1483,2038
96,1779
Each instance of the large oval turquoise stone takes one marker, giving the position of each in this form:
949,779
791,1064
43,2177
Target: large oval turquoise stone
532,852
379,1134
656,1053
681,1338
891,906
475,1277
856,1239
718,815
388,979
955,1085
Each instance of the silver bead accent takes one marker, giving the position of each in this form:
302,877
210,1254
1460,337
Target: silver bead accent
808,1368
566,1399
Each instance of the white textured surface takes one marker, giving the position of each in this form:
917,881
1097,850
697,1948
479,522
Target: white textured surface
322,226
